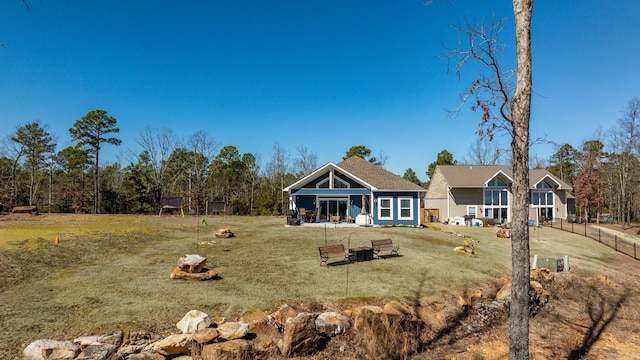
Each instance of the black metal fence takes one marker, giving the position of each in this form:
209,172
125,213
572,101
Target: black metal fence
613,241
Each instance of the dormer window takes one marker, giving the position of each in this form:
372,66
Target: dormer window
496,182
543,185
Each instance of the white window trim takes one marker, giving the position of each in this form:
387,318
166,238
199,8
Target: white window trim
490,208
545,192
330,179
322,182
400,217
342,181
472,207
380,217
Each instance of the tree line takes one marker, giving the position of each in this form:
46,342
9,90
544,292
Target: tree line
605,170
198,169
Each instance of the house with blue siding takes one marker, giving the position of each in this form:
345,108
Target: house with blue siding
355,190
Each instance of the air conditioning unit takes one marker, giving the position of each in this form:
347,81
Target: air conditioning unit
553,264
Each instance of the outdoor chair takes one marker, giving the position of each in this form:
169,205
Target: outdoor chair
314,215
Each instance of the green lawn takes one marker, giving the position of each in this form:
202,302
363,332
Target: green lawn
111,272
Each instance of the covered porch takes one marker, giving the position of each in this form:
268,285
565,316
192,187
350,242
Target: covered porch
344,207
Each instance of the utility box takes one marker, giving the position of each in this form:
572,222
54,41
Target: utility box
553,264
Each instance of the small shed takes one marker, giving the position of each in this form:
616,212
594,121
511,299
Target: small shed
171,203
215,207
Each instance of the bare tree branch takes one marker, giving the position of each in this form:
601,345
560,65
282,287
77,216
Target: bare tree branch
491,91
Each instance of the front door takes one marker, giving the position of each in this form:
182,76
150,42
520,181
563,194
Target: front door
332,207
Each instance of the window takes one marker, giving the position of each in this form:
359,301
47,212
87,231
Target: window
542,200
324,184
472,211
339,184
496,205
385,210
496,197
495,182
405,206
543,185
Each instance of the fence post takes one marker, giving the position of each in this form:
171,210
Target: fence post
615,237
572,227
599,238
635,256
585,229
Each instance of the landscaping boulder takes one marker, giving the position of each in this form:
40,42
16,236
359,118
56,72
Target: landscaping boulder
505,292
359,311
233,330
177,273
146,355
97,352
332,323
205,336
125,351
194,320
173,345
113,339
223,233
285,312
265,335
50,349
396,308
192,263
88,340
503,233
433,317
542,275
228,350
469,299
300,337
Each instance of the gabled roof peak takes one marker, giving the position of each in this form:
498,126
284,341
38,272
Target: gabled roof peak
365,172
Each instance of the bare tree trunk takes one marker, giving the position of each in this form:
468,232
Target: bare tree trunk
96,187
50,184
32,190
520,116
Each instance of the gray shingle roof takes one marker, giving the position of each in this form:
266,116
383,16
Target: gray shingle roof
471,175
477,175
376,176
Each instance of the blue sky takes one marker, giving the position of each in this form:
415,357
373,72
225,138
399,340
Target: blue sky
321,74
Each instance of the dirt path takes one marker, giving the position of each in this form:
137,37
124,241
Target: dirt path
630,234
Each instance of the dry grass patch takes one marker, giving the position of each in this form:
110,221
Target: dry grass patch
112,271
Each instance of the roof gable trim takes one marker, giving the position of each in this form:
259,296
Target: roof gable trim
306,179
499,172
329,166
552,180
